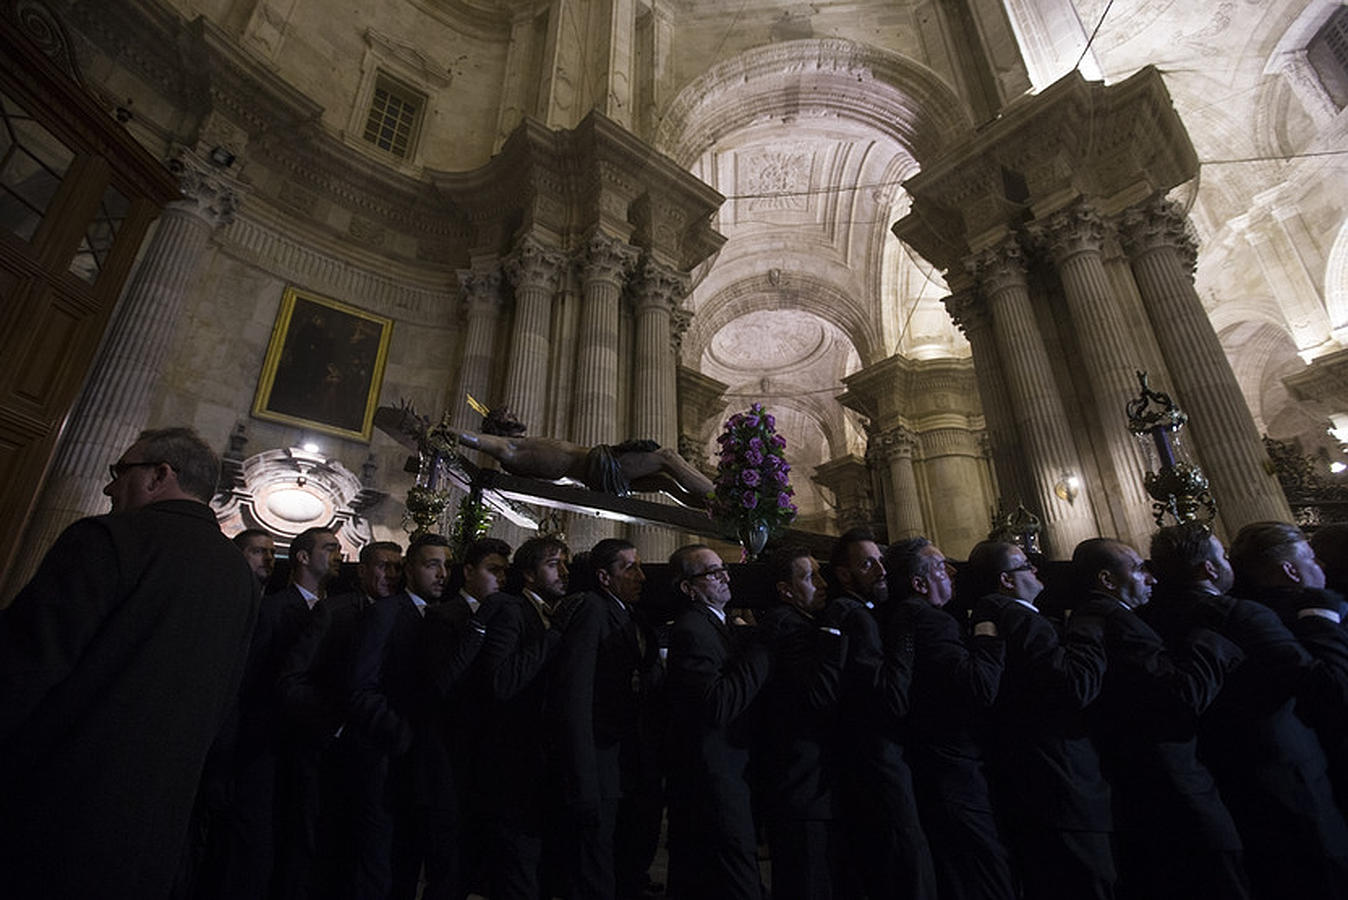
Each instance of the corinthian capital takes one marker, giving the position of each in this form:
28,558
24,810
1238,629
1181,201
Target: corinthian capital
679,321
207,191
968,310
1158,224
658,286
1070,231
533,265
481,290
998,268
889,443
605,258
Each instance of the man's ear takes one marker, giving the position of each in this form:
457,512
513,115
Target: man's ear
1290,571
1007,582
1210,571
920,585
1105,579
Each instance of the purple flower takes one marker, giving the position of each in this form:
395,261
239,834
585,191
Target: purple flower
756,444
753,457
756,407
750,477
751,421
778,476
770,421
728,457
749,499
784,501
778,441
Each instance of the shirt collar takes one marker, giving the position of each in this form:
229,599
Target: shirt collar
472,601
309,596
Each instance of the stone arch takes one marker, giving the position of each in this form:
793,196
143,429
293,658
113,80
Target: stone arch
832,77
794,290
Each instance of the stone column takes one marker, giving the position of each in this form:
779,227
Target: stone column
1233,456
953,474
895,447
850,483
534,271
655,396
970,312
482,302
1076,238
115,404
1045,433
606,262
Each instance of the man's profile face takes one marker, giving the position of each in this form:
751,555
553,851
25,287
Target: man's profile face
1133,580
427,572
940,586
864,574
548,578
259,551
1025,583
709,582
380,576
486,578
1305,567
133,485
624,577
1226,576
805,590
325,561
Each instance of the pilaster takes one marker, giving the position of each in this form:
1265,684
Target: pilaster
535,272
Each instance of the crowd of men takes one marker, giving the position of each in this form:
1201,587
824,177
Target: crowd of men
519,726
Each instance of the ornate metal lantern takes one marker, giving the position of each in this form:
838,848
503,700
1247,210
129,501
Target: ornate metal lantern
1178,486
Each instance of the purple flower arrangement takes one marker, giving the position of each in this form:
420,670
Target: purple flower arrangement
752,482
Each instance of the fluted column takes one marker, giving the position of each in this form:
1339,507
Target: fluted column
605,263
482,303
970,312
115,404
1076,238
655,415
1033,394
534,272
894,447
1233,456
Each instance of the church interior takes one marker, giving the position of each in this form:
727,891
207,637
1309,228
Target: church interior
936,239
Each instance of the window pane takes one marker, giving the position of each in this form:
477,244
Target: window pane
32,163
99,236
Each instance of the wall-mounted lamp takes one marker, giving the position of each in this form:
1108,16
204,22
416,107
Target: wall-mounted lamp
1068,487
221,157
1337,467
309,447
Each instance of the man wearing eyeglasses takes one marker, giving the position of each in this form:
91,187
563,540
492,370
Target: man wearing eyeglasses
118,664
715,672
1046,775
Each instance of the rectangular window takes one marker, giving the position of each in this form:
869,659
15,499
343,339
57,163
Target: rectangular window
1328,55
395,117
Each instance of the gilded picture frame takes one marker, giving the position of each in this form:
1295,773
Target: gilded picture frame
324,366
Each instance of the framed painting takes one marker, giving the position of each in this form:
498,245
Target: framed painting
324,366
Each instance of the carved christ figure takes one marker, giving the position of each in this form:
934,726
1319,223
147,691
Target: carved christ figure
615,469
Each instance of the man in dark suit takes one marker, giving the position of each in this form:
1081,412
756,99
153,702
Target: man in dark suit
1276,568
953,687
118,664
511,755
446,784
715,672
599,677
1053,801
888,854
1174,837
397,681
259,551
797,747
314,690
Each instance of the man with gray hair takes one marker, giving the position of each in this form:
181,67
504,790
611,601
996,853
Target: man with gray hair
118,665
